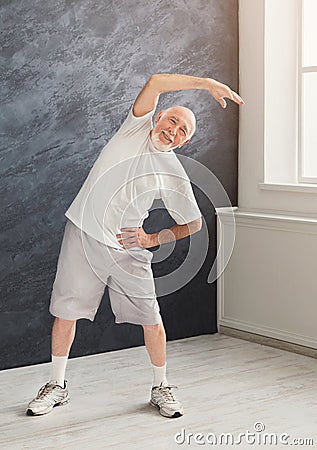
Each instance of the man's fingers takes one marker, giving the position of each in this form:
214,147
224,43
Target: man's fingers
222,102
127,238
233,96
126,242
237,98
126,234
129,245
230,95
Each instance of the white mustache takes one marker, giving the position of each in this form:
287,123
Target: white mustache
168,136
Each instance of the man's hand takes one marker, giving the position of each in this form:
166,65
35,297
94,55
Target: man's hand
134,237
219,91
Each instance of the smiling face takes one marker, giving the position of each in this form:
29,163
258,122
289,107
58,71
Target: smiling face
173,128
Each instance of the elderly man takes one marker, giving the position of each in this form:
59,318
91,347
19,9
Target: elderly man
104,242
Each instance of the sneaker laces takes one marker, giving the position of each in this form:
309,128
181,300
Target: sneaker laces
167,393
45,390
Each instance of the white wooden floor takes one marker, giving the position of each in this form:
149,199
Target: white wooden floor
226,385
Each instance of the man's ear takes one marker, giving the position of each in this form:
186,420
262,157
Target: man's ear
186,142
160,114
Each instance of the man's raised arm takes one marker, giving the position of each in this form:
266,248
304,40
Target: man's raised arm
157,84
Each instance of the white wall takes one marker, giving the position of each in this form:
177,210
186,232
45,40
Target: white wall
269,286
268,136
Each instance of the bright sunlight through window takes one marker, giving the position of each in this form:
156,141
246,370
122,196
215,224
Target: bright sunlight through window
308,93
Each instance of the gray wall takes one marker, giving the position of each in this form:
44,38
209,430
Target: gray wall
70,71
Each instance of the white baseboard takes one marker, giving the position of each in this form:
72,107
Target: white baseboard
271,342
269,332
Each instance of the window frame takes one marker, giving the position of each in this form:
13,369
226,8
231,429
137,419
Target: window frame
301,71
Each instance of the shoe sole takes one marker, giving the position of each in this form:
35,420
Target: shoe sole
174,416
29,412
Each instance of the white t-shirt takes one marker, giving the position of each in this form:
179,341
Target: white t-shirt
124,181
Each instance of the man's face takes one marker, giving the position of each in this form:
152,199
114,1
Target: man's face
173,128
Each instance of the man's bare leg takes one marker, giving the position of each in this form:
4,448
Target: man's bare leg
161,393
63,334
155,342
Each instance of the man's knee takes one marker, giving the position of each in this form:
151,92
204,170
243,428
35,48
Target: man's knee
63,323
156,328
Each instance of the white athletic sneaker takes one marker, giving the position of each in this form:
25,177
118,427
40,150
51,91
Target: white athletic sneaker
163,398
49,396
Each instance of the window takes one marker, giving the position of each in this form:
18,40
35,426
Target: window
269,154
280,91
307,146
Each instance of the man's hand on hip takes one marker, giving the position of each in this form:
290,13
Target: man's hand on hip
134,237
137,237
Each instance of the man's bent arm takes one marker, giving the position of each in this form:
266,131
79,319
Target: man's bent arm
137,237
157,84
175,233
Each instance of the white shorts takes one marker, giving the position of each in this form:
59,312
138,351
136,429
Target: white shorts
85,266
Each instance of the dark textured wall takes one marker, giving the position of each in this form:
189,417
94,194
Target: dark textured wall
70,71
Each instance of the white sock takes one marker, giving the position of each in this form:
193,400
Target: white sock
58,369
159,375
